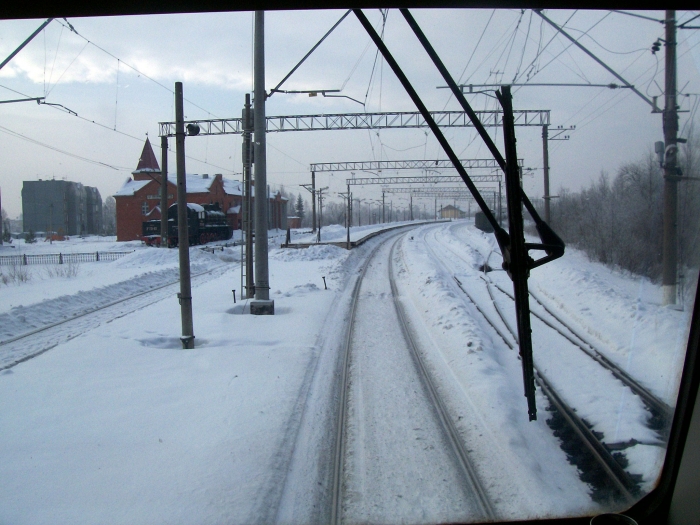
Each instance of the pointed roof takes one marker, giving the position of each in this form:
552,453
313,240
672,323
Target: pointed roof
147,161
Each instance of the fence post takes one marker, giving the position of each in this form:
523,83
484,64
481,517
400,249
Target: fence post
60,258
97,256
24,259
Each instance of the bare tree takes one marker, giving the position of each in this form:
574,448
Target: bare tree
109,216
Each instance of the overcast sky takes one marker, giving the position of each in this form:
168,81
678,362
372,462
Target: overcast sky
118,74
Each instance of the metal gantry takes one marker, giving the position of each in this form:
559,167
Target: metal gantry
448,192
422,179
383,120
380,165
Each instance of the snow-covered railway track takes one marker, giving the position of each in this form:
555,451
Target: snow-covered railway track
26,346
660,409
662,412
609,474
398,454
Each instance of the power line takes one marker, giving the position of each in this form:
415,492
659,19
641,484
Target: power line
540,51
132,67
15,134
636,15
276,88
114,130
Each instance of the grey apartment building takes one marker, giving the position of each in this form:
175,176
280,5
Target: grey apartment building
68,208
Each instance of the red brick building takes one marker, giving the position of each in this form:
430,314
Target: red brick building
138,200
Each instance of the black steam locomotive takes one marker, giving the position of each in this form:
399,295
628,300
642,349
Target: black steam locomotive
205,223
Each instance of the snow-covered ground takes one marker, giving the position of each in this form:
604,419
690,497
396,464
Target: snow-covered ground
120,425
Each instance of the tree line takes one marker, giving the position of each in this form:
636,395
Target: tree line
618,220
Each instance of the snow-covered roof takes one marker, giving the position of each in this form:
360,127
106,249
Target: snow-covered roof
195,207
234,209
233,187
130,187
195,183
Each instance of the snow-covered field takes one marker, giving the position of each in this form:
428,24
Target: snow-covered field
120,425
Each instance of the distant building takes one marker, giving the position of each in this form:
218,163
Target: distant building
138,200
452,212
66,207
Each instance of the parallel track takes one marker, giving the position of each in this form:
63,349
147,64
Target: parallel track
459,447
49,327
617,476
588,348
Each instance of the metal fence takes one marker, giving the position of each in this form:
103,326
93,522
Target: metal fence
59,258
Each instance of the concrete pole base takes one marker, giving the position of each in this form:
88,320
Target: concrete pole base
262,307
669,294
187,342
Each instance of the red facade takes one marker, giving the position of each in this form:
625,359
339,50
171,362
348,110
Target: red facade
139,199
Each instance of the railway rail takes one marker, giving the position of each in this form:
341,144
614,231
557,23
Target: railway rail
579,340
623,483
50,335
351,405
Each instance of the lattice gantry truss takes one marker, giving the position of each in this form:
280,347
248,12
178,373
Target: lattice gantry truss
412,119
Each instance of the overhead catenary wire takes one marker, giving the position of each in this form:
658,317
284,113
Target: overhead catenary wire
276,88
567,47
108,128
602,110
18,135
72,28
528,69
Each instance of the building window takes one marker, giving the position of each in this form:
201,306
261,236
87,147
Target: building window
144,208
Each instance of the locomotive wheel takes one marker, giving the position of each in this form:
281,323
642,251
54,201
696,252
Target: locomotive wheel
202,238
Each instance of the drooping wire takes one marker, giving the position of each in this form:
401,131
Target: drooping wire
513,38
72,28
369,42
522,55
44,32
449,98
108,128
65,70
58,45
116,97
369,84
276,88
18,135
529,68
567,47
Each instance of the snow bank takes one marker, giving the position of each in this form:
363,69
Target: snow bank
312,253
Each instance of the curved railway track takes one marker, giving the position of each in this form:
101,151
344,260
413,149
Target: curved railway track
623,484
35,342
353,402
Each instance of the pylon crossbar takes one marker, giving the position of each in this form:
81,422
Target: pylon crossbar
384,120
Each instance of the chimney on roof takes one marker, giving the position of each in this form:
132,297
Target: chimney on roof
205,176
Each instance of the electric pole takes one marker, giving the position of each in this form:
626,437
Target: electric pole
383,221
671,173
247,281
545,155
183,241
313,201
164,191
262,304
320,206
